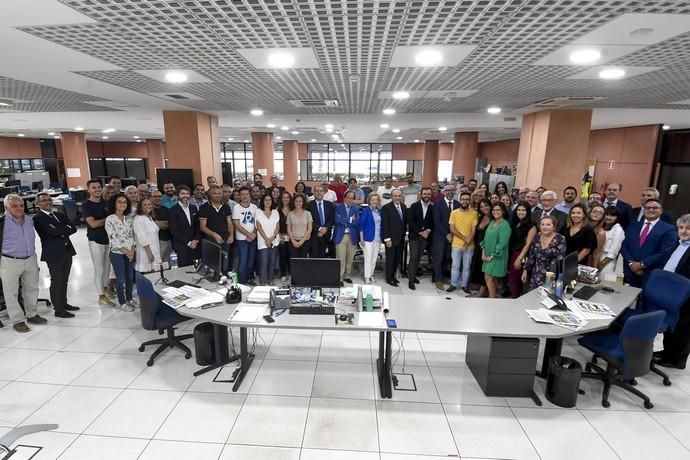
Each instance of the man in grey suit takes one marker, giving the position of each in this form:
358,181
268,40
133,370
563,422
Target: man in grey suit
548,208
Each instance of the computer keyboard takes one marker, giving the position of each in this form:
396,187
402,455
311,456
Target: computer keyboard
312,310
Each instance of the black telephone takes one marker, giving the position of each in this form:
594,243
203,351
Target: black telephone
560,304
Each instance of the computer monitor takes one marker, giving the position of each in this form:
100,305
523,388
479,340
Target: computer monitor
315,273
13,183
4,191
37,185
212,258
126,182
570,268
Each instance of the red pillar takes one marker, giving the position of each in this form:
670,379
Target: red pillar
430,169
76,159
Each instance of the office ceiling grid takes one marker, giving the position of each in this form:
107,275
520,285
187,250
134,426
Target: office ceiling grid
354,41
31,97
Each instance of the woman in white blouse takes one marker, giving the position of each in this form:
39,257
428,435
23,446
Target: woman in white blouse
148,257
614,240
121,239
267,220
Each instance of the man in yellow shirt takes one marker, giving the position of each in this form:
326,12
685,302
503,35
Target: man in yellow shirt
462,222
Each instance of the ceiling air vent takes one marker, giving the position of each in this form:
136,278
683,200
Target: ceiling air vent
315,103
177,96
557,102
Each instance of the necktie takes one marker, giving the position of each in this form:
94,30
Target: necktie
609,203
645,232
54,217
321,216
399,211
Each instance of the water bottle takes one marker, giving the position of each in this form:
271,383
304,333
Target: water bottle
173,260
558,291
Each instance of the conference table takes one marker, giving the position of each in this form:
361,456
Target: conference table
502,340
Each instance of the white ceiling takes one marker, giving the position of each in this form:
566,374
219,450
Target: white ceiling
97,64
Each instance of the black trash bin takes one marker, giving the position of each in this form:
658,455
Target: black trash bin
563,381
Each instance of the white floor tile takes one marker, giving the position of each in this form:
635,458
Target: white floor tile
271,421
344,380
177,450
286,378
88,316
414,428
491,432
409,350
670,399
52,443
458,386
341,424
426,388
53,338
74,408
297,347
112,371
11,338
319,454
444,353
169,372
619,398
202,417
16,361
345,349
386,456
205,384
18,400
104,448
131,344
676,423
560,434
135,414
636,435
237,452
99,340
123,319
61,368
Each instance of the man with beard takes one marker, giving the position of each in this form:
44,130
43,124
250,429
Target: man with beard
95,211
442,237
462,223
215,221
255,194
199,196
569,196
161,215
169,200
184,228
420,220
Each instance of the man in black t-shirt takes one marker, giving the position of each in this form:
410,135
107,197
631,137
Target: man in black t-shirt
215,220
161,214
95,212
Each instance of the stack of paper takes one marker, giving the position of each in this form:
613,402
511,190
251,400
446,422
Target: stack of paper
564,319
245,313
589,310
190,297
260,294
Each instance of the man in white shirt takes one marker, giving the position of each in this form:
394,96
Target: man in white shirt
244,218
385,191
328,194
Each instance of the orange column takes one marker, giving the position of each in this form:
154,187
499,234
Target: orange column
192,141
154,157
465,153
290,162
76,159
554,149
430,170
262,149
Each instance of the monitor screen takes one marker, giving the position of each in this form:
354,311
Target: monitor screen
315,273
12,183
38,185
570,268
212,257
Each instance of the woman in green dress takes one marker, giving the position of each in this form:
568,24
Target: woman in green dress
495,247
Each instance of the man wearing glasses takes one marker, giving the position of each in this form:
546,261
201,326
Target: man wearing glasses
648,245
548,208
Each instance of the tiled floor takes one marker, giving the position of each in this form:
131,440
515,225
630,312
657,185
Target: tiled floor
309,396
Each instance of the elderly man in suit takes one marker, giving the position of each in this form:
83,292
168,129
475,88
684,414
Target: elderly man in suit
637,214
346,234
647,245
421,221
323,213
441,236
393,228
56,251
548,208
183,223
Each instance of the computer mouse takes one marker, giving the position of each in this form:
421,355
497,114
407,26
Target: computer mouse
342,317
607,289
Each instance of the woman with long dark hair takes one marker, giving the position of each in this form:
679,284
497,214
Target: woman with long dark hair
501,189
299,223
579,236
476,273
284,208
524,231
120,232
267,226
495,248
614,236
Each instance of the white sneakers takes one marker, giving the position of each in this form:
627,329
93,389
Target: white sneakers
129,306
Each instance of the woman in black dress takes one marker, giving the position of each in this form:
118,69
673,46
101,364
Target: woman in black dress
284,208
476,274
524,231
579,236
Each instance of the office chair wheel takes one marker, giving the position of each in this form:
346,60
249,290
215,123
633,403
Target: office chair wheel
588,367
187,355
606,404
141,348
648,405
149,363
594,360
667,382
633,382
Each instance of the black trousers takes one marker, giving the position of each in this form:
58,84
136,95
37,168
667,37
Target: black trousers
677,343
185,254
284,258
59,276
417,248
318,246
300,252
393,259
440,253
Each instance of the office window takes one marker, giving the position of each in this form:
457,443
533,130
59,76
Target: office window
365,162
445,168
240,156
278,165
136,167
115,167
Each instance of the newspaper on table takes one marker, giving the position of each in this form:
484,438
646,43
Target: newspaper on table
190,297
589,310
566,319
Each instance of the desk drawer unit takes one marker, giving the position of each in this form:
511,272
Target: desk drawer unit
503,366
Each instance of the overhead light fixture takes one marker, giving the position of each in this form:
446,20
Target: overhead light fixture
5,103
384,126
281,60
398,137
175,77
294,133
79,128
313,140
135,137
494,110
257,112
442,128
452,142
139,140
613,73
284,128
396,130
246,141
428,58
56,137
334,136
329,130
279,137
401,95
585,56
328,126
270,125
51,134
104,137
389,111
109,130
666,127
21,135
641,32
416,140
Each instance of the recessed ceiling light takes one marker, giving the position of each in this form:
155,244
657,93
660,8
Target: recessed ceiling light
313,140
284,128
104,137
139,140
416,140
5,103
612,74
396,130
398,137
56,137
270,125
135,137
21,135
442,128
175,77
231,138
585,56
295,133
79,128
494,110
51,134
426,58
257,112
329,130
246,141
666,127
452,142
384,126
328,126
389,111
109,130
401,95
281,60
334,136
279,137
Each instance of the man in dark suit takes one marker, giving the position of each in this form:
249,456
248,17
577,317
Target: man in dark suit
323,213
637,214
346,234
393,228
56,251
183,223
421,221
441,236
548,208
612,191
677,342
647,245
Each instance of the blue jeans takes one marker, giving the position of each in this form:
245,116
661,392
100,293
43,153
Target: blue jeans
247,252
266,264
461,259
124,276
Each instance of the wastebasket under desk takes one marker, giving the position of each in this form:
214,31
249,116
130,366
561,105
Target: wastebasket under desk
503,366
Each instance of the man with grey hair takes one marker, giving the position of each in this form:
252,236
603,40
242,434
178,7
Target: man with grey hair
648,193
19,264
532,198
323,214
548,208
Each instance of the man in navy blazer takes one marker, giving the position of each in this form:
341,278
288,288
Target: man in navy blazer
441,236
322,212
420,222
346,234
624,209
183,223
637,214
648,245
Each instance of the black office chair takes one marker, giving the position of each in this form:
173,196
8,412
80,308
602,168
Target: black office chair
156,316
627,354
